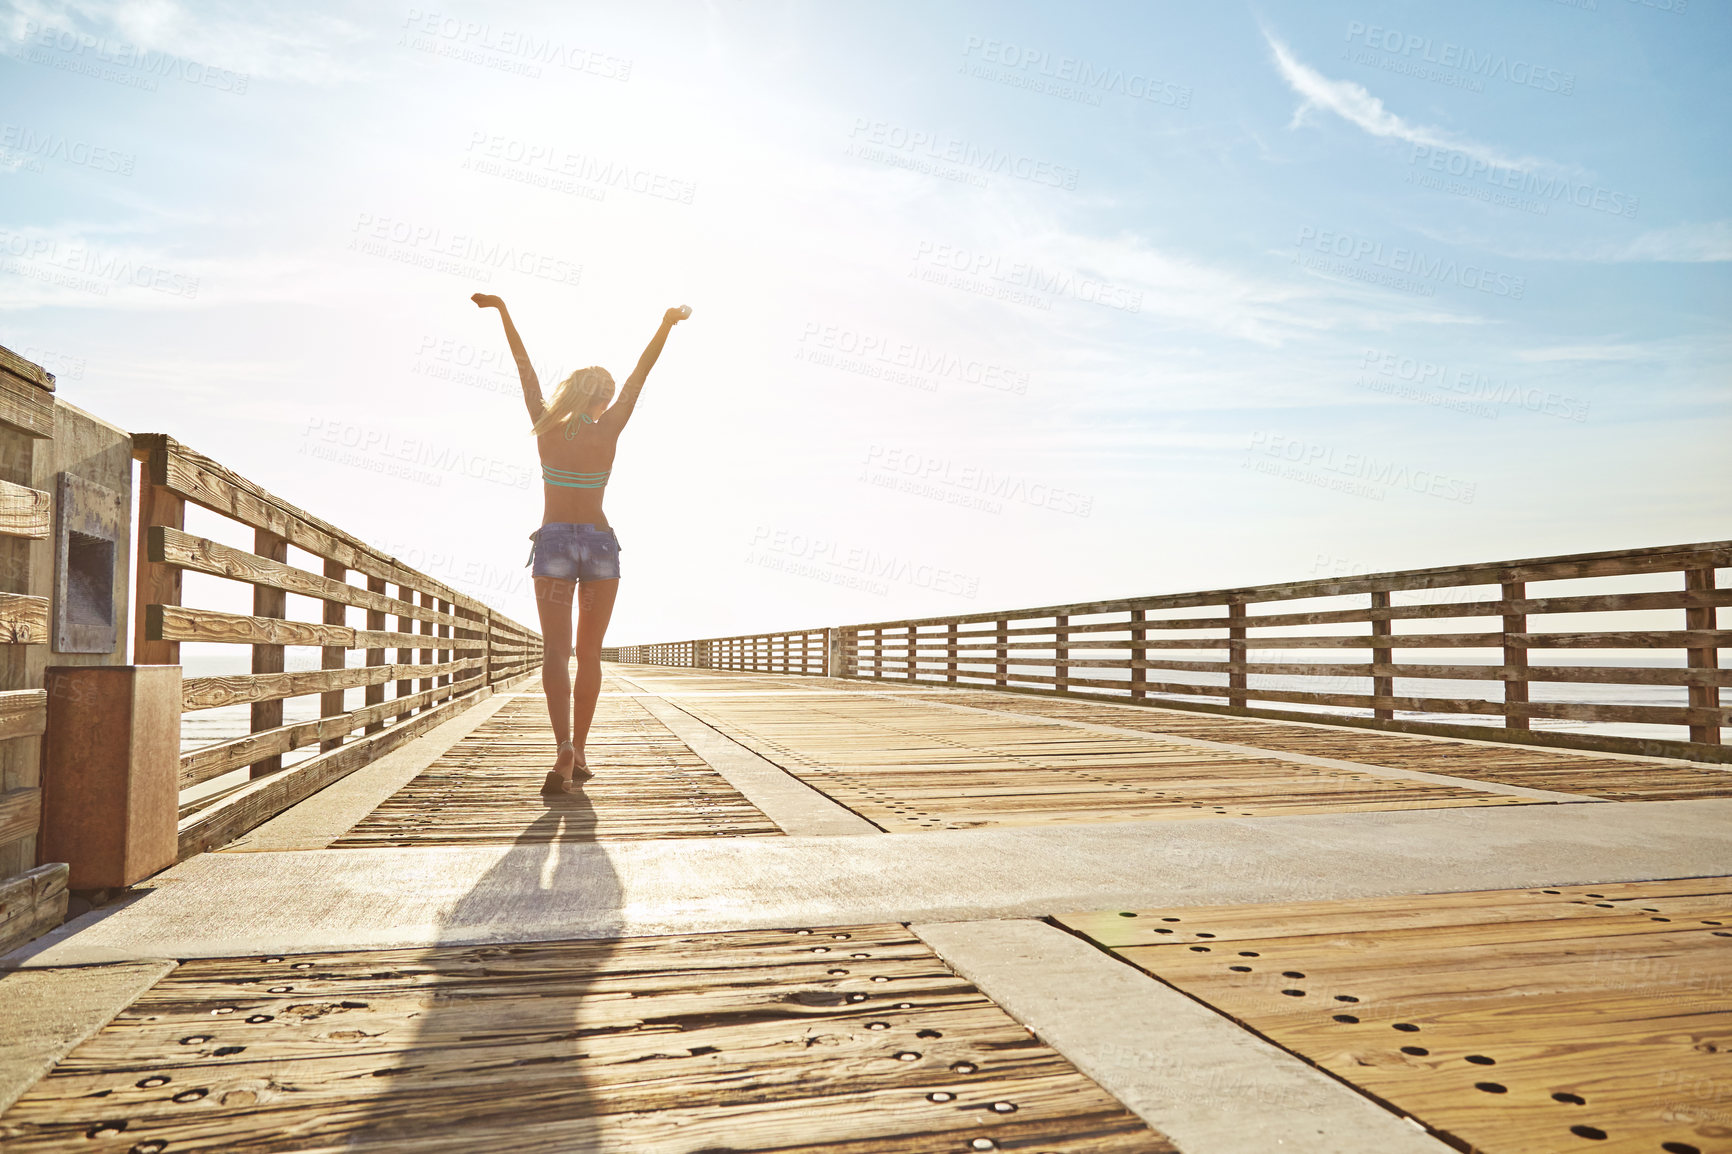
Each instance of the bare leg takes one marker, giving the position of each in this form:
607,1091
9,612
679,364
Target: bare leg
553,603
594,610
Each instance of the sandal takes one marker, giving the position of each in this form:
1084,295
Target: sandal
580,768
555,783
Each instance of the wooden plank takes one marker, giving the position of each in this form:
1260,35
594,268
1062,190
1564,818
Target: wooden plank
25,512
26,407
485,790
268,660
20,813
23,619
239,689
837,1039
220,757
264,798
1701,619
23,713
173,547
31,904
1505,1021
27,371
334,656
176,623
1622,562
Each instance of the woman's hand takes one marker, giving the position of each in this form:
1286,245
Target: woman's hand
675,315
487,301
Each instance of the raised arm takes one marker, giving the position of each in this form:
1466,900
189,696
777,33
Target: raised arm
525,371
620,411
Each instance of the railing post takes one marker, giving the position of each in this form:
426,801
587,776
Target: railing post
1139,674
487,647
1236,652
376,621
158,584
1003,652
268,602
405,656
445,655
333,656
1382,685
912,657
950,653
1698,618
1061,653
1515,657
425,628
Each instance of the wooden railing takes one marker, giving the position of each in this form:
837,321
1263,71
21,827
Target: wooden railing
450,650
1355,650
799,651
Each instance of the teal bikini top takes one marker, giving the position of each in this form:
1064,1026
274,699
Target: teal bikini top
567,478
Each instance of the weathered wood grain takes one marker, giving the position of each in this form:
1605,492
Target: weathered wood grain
31,904
1548,1019
25,512
837,1040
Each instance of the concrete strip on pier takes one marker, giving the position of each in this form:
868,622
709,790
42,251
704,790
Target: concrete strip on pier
45,1013
1185,1069
223,904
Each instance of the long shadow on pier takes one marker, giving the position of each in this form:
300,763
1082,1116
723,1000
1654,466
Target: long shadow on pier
493,1037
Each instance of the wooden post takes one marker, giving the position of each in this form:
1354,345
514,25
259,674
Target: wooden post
268,602
1382,685
333,656
1139,674
1515,657
1702,696
486,648
111,772
1236,650
405,687
157,584
950,653
878,652
1061,653
913,655
425,628
1003,652
376,620
445,631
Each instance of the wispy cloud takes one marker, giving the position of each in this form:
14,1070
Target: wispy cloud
1354,104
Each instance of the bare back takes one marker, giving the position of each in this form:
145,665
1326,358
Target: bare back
590,449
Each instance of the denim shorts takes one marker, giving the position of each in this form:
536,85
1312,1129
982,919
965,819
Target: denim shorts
568,551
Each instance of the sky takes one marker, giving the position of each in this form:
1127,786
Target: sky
994,305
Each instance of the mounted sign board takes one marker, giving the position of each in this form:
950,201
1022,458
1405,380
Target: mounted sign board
88,528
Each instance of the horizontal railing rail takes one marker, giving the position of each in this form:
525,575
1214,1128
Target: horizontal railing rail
449,649
1568,642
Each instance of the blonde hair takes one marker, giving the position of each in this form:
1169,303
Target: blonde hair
573,396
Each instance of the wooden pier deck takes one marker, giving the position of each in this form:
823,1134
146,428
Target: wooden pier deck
1291,936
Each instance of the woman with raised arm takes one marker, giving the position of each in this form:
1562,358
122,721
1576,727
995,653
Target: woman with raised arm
575,549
